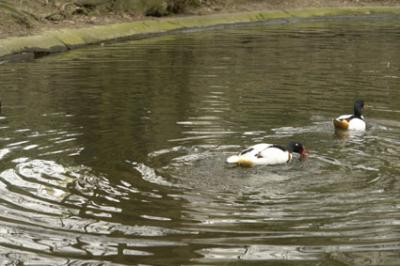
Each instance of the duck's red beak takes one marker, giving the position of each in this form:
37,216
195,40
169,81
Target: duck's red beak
304,154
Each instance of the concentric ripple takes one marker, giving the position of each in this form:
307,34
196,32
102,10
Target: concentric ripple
338,201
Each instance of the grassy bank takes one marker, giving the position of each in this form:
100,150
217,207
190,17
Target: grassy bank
75,23
23,17
66,39
27,17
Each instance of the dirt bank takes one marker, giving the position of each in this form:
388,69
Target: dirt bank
28,17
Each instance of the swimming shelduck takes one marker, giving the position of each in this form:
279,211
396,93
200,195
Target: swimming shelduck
352,122
267,154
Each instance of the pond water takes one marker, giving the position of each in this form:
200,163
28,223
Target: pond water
114,155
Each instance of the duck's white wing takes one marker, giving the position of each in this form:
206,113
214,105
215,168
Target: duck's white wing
350,122
273,155
255,149
343,117
250,153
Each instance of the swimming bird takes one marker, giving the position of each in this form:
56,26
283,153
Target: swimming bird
267,154
352,122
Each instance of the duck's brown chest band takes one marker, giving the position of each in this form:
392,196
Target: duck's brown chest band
289,157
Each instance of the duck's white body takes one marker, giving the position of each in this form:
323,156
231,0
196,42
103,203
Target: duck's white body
350,122
261,154
354,122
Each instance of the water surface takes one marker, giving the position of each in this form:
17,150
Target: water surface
114,155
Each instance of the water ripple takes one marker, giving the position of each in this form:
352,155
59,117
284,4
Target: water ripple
115,155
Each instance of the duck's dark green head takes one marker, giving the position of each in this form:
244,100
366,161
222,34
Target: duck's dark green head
358,107
297,147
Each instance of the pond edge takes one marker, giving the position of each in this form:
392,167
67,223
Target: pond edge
56,41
